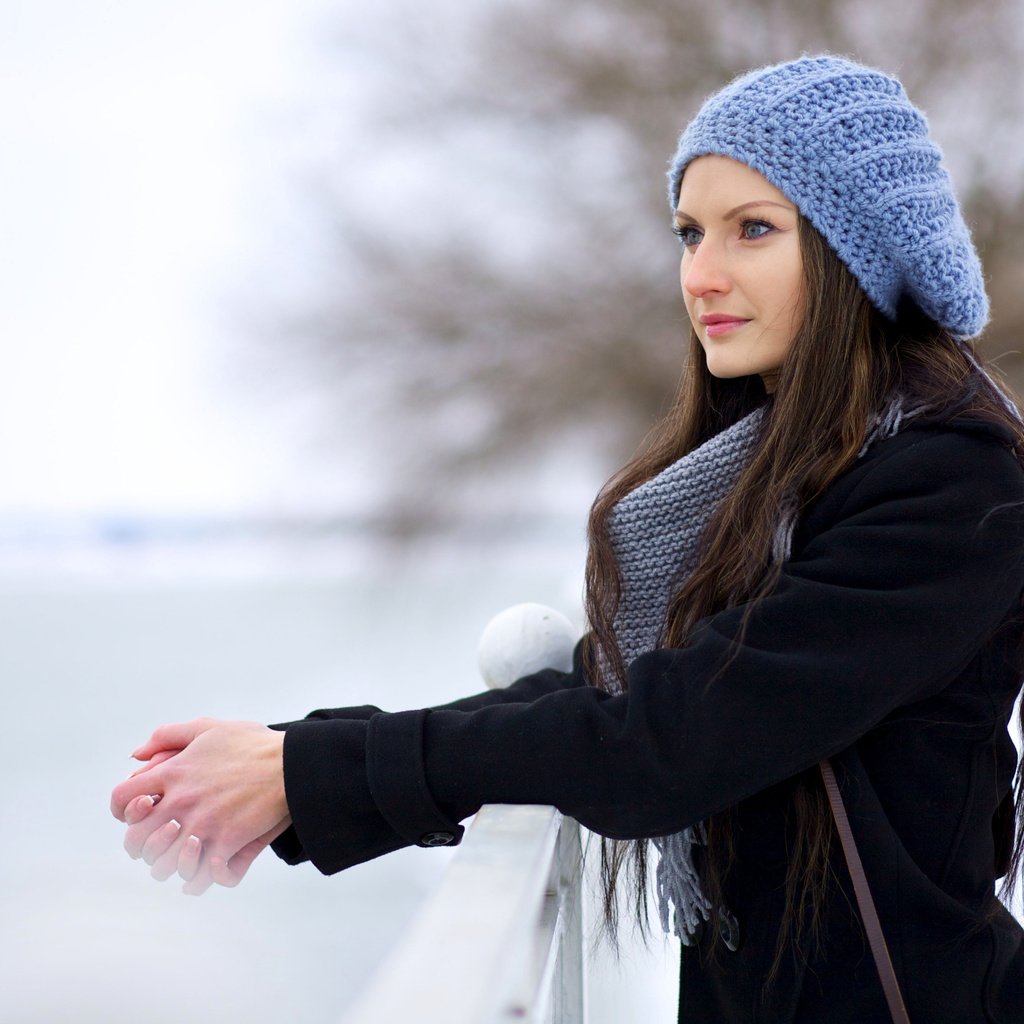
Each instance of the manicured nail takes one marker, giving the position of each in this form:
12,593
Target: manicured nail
154,799
176,824
193,843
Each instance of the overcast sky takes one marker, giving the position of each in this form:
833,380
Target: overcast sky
153,155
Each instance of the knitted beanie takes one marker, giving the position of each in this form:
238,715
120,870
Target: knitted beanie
844,143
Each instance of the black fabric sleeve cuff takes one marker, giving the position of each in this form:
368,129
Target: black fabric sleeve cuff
398,783
287,845
360,713
335,818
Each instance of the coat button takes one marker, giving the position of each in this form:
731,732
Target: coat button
437,839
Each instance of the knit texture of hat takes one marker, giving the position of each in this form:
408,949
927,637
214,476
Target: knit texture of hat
844,143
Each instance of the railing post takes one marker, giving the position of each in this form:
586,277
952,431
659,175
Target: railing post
568,991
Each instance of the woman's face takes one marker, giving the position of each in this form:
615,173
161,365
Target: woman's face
741,270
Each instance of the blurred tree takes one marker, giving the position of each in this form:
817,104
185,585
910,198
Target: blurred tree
506,281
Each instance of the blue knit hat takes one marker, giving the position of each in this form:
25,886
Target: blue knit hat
845,144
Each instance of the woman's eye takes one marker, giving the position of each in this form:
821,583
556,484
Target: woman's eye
756,228
688,236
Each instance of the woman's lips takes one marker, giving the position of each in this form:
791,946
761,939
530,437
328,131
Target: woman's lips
720,327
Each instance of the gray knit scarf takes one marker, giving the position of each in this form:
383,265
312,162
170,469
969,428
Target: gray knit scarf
656,532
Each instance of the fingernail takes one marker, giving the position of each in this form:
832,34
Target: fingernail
194,842
175,823
154,799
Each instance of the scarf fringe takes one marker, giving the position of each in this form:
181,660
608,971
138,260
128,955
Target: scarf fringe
682,905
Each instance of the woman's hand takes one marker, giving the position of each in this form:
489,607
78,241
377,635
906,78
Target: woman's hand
189,858
209,799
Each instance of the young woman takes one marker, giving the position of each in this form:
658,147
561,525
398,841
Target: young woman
818,554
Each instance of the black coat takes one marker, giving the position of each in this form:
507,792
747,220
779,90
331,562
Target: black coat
890,645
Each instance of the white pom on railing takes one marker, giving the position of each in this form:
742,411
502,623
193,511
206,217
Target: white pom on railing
523,639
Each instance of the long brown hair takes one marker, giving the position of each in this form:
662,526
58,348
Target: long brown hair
845,363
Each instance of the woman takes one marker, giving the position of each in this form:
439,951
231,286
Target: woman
818,554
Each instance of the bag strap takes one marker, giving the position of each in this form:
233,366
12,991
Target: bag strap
876,939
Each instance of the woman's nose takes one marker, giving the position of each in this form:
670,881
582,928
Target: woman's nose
705,271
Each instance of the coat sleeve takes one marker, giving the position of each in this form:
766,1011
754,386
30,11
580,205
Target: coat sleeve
289,847
883,606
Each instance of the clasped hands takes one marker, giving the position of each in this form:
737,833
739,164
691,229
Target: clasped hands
208,800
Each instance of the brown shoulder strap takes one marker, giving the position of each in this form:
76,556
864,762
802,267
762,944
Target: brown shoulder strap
879,949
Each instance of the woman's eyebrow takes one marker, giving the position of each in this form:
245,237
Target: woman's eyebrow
682,215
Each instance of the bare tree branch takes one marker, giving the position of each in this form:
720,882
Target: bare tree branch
521,283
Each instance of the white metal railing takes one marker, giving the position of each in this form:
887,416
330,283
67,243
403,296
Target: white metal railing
501,940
